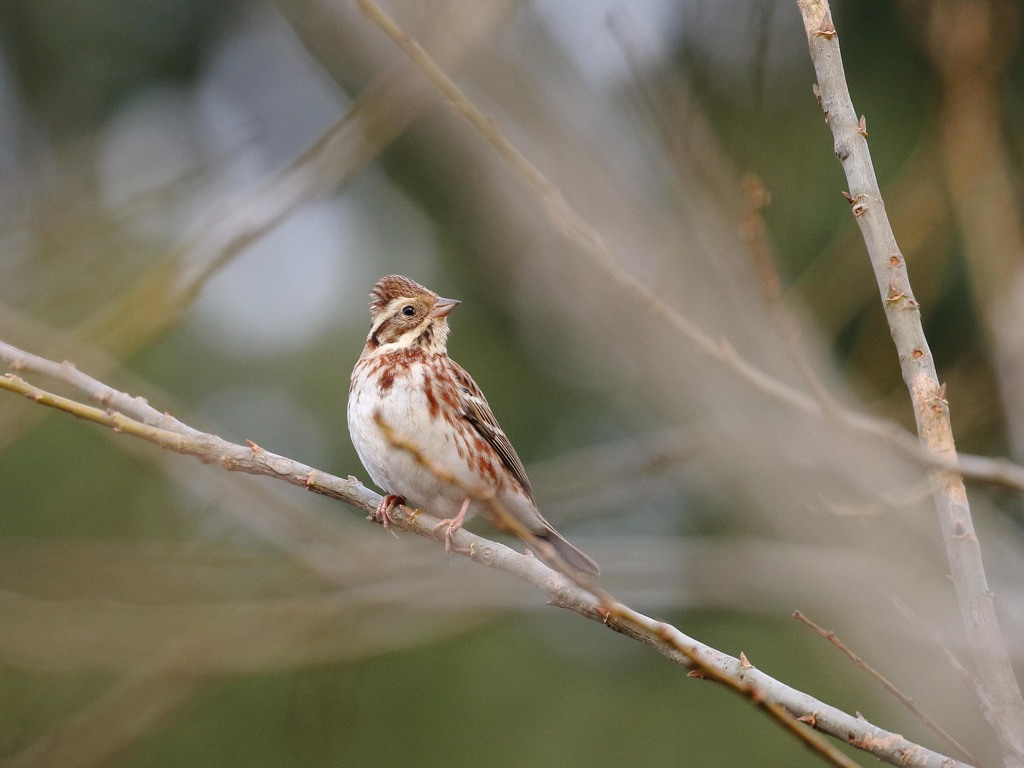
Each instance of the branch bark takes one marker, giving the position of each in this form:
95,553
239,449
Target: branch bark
931,410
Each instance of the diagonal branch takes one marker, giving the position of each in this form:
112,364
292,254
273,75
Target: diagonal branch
931,410
149,424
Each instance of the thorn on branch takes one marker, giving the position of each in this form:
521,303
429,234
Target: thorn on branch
862,127
894,295
825,29
857,204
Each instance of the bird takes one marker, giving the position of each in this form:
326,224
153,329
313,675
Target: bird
405,381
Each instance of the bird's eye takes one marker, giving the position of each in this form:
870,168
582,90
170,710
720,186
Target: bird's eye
408,310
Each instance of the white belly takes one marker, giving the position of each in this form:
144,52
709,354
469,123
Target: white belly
404,408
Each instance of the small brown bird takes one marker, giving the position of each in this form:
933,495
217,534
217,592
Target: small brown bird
405,376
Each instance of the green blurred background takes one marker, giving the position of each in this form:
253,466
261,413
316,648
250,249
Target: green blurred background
161,228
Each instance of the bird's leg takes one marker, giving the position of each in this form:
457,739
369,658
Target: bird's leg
382,514
453,524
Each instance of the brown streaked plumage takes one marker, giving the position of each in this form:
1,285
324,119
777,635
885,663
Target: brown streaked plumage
405,375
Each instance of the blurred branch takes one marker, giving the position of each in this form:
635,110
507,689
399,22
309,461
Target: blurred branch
376,117
143,422
927,394
574,226
161,297
905,700
972,45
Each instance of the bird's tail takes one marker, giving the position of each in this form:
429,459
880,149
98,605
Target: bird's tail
576,558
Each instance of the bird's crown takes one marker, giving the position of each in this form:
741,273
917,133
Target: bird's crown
391,287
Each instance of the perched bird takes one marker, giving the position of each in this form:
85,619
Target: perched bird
405,379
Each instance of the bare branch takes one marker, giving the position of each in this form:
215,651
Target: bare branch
560,590
931,410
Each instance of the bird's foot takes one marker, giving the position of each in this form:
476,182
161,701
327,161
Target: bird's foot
452,525
382,514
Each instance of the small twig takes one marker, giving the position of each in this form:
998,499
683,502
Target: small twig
908,702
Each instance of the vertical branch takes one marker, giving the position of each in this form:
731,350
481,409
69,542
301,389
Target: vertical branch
931,410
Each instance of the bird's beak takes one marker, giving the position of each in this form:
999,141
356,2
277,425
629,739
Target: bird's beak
443,306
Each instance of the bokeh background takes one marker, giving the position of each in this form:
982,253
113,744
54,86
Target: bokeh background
195,198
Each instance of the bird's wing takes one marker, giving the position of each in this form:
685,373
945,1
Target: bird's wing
477,412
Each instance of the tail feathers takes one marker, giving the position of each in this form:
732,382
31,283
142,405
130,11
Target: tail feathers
576,558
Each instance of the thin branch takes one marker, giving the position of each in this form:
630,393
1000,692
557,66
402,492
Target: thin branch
931,410
905,700
561,591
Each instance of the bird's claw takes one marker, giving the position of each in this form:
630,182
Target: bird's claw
451,525
382,514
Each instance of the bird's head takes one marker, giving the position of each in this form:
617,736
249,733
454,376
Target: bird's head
407,315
